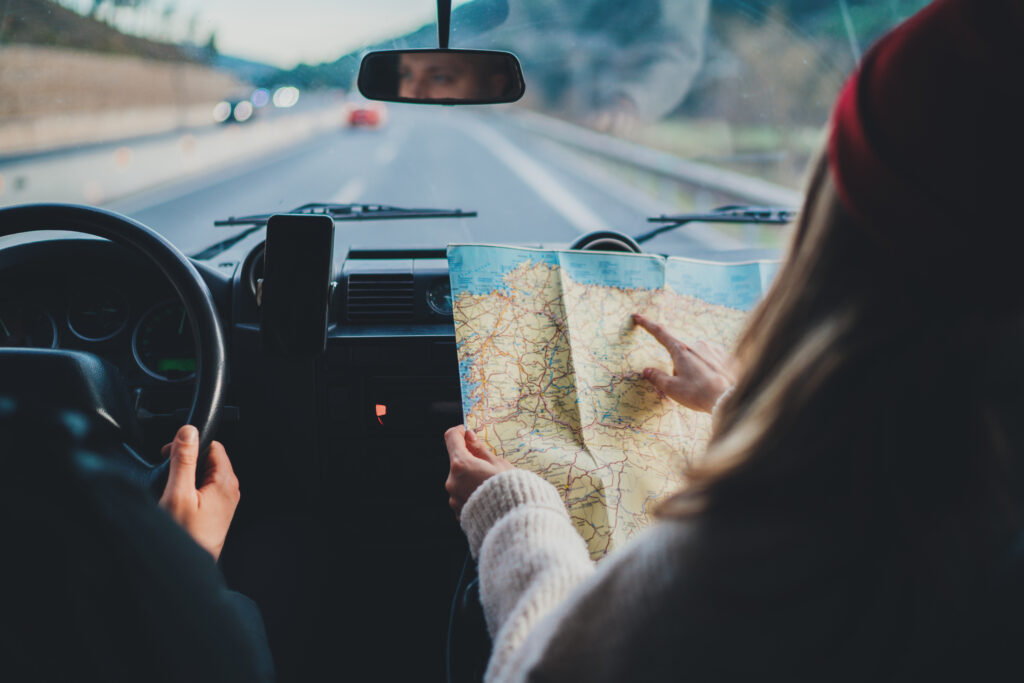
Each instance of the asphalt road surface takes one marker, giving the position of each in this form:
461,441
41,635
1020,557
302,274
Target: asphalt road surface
526,189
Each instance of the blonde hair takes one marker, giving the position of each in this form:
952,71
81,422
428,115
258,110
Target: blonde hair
867,396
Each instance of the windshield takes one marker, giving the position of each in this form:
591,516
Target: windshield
183,112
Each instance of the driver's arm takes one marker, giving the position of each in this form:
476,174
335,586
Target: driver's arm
206,513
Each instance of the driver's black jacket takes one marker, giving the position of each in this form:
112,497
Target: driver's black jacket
99,583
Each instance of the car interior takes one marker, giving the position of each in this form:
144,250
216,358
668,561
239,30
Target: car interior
326,365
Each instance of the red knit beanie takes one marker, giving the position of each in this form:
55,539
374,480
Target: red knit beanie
927,142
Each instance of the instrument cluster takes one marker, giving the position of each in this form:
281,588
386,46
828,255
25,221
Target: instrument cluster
138,325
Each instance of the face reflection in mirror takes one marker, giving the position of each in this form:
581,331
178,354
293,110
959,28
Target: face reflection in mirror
439,76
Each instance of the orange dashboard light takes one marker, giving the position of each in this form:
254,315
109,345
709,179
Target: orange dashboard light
381,410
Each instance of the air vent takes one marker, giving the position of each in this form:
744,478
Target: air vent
374,298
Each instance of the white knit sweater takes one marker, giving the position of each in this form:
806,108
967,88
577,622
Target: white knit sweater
547,607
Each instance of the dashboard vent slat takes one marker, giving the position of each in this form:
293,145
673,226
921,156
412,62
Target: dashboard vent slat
374,297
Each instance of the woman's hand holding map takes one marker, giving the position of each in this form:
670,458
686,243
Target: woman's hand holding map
471,464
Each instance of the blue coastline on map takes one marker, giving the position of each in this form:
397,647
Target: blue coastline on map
468,388
479,269
736,285
614,270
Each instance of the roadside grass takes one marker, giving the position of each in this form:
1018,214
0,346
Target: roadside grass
774,153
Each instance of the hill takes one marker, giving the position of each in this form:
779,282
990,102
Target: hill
46,23
68,79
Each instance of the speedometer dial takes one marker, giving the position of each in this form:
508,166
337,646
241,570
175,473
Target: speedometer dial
24,325
97,312
162,343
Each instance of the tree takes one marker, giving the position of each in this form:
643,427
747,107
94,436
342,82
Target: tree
210,49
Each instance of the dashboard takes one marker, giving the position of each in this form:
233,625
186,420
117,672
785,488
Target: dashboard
94,296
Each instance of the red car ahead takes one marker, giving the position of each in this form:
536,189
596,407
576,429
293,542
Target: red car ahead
365,114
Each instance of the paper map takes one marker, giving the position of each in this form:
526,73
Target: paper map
551,361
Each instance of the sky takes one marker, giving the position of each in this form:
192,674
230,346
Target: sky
282,32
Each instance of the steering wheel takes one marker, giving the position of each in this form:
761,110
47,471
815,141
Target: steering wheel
96,382
606,240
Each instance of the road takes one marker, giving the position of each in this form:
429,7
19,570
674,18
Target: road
525,188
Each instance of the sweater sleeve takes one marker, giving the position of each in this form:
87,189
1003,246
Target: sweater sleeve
529,553
554,617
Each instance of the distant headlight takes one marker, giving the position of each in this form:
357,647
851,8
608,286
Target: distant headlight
221,112
286,97
243,110
260,97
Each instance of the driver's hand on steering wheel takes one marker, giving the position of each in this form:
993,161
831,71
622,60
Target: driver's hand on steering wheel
206,512
472,463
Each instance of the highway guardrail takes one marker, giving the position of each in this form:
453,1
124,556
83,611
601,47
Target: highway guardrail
742,188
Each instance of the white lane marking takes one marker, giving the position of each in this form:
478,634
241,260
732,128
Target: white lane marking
706,235
386,153
388,150
349,192
540,180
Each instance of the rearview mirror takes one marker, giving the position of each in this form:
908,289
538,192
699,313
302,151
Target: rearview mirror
441,76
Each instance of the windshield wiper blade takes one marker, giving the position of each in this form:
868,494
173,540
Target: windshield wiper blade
352,212
770,215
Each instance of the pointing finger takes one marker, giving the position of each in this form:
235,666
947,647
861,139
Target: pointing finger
659,378
659,331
